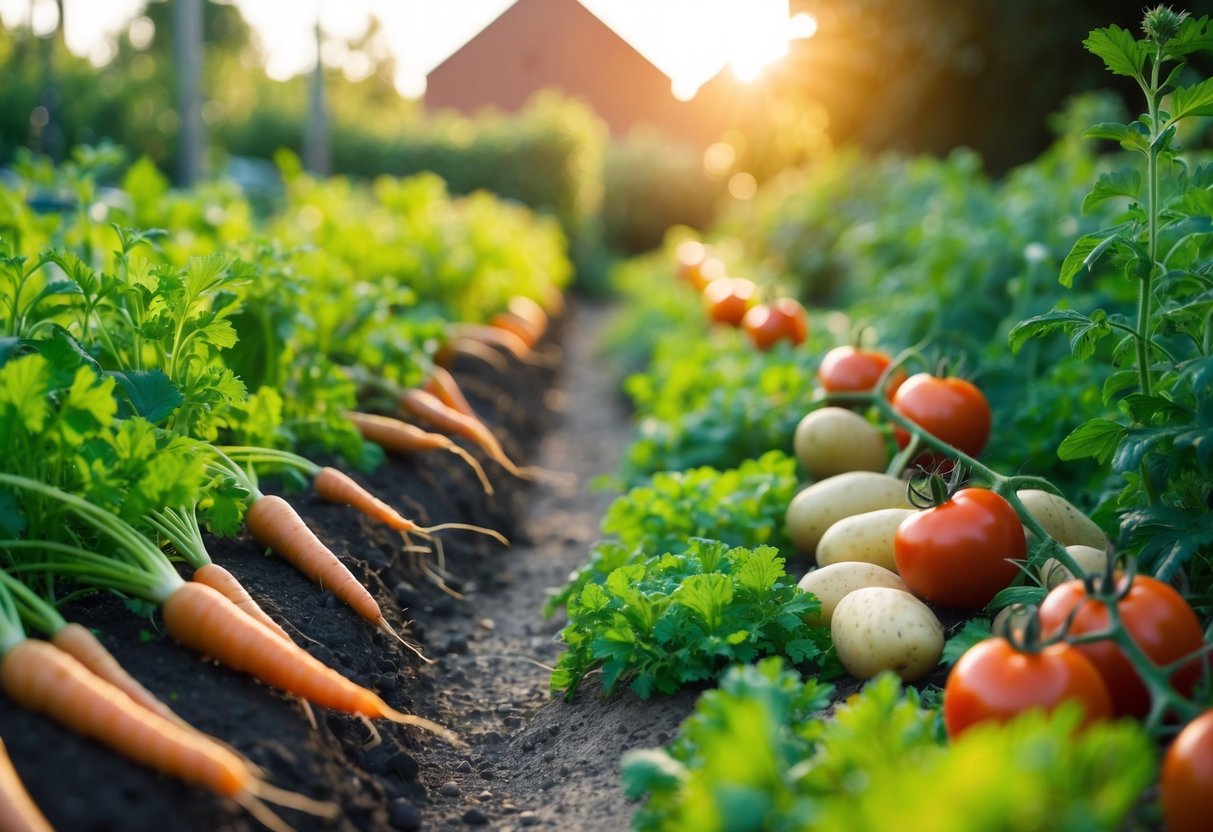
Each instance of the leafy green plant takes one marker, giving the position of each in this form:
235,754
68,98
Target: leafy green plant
759,754
677,619
1160,376
741,506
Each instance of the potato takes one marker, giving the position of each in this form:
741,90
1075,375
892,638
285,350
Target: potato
1093,562
824,503
866,538
834,582
834,440
1061,520
878,628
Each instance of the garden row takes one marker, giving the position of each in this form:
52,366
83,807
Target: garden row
899,491
174,372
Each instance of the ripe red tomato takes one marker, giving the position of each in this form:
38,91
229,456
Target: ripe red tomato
1155,615
696,265
950,409
1187,778
767,324
995,682
849,369
958,554
729,298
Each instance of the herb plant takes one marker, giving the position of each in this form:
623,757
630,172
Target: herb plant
677,619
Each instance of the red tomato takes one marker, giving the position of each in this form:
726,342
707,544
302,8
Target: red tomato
1187,778
958,554
950,409
729,298
994,682
848,369
767,324
1155,615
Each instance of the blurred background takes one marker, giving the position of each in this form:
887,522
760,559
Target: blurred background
621,117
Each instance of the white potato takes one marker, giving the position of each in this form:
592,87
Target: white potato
834,440
824,503
1062,520
878,628
834,582
1093,562
867,538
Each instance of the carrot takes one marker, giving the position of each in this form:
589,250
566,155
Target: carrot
201,618
80,643
42,678
448,352
275,524
530,312
337,487
494,337
430,408
223,581
18,812
444,387
510,322
398,437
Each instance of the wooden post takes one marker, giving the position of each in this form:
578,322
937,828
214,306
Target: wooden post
316,131
187,26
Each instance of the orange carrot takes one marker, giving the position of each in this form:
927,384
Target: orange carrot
444,387
492,336
80,643
447,353
201,618
398,437
42,678
531,312
275,524
430,408
218,578
18,812
337,487
510,322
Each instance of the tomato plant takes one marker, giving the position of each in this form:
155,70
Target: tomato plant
995,681
959,553
951,409
781,319
729,298
1156,617
1187,777
848,369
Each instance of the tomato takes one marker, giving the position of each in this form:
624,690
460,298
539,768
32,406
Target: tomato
1187,778
848,369
696,265
767,324
959,553
950,409
729,298
994,682
1157,618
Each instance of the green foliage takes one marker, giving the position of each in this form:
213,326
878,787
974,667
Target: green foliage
716,402
758,754
1158,361
741,506
680,618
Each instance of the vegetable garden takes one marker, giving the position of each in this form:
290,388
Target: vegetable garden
329,517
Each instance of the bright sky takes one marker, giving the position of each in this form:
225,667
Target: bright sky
689,40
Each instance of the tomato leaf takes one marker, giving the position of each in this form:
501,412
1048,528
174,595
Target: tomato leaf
1196,100
1097,438
974,630
1124,182
1122,54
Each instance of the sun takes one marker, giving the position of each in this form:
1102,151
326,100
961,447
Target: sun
761,40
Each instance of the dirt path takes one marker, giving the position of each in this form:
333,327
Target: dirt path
535,761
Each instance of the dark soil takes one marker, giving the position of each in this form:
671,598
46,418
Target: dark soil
529,761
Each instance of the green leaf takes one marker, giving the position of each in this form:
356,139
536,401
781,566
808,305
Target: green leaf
1096,439
150,394
1125,182
1017,595
1085,332
24,383
760,571
12,518
1195,35
705,594
1087,249
975,630
1122,54
1196,100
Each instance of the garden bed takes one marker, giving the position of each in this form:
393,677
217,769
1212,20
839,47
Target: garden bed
529,760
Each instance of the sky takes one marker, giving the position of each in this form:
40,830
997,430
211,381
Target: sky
688,40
